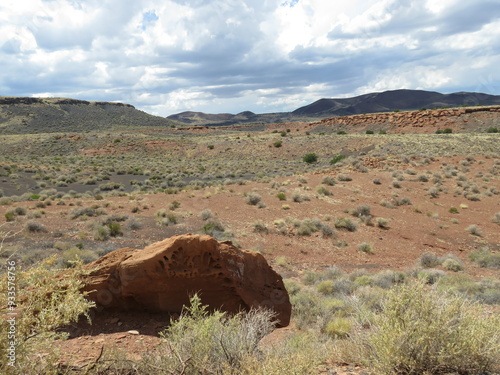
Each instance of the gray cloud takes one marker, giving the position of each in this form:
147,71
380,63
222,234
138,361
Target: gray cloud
230,56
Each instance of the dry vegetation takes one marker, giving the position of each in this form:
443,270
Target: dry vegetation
389,244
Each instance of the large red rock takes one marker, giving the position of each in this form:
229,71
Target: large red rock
163,276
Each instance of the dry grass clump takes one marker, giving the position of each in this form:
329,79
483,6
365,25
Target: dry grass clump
424,331
486,258
474,230
254,199
41,288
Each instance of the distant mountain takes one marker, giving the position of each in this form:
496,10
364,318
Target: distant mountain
19,115
387,101
397,99
199,118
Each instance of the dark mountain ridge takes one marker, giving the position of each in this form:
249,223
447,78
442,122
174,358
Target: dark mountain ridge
387,101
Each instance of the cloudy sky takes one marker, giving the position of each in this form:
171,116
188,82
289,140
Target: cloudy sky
168,56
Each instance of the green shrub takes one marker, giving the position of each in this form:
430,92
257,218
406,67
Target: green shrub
115,229
278,144
310,158
281,196
10,216
423,331
453,210
337,158
213,227
369,132
492,130
321,190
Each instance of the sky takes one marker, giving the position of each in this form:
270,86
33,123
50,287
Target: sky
229,56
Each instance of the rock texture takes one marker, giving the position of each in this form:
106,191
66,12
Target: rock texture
457,119
162,277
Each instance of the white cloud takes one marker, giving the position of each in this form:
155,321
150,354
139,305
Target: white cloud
230,56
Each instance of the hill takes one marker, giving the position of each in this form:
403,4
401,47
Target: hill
387,101
20,115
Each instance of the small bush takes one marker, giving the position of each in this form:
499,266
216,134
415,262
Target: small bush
321,190
423,331
21,211
452,263
35,227
344,177
328,180
209,343
337,158
345,224
115,229
299,198
325,287
174,205
362,211
10,216
429,260
213,227
486,258
253,199
206,214
496,218
281,196
365,247
310,158
48,300
453,210
474,230
101,233
492,130
382,223
338,327
260,227
278,144
133,224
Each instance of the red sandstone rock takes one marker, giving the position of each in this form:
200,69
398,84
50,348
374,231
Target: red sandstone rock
163,276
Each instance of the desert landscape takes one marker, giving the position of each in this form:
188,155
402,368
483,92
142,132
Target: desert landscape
361,215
